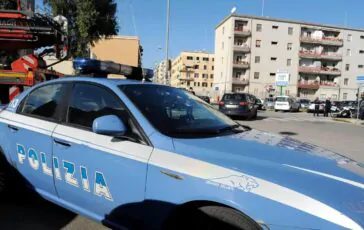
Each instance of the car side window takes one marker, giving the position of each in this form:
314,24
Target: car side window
89,102
43,101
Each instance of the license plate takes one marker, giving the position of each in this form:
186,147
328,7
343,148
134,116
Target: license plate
231,106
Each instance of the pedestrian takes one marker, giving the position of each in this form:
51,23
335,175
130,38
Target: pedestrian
327,107
317,107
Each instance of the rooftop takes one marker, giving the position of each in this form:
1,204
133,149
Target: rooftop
267,18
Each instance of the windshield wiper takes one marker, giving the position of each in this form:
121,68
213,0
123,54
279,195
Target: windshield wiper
232,128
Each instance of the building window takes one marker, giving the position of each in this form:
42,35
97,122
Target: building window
211,76
274,43
188,83
258,43
345,96
204,75
347,67
259,27
350,37
189,58
205,67
275,27
257,59
289,62
222,45
289,46
290,30
256,75
197,58
361,51
205,59
360,66
346,81
273,58
223,30
198,84
210,84
272,74
212,67
362,37
213,59
194,84
237,74
197,66
204,84
348,52
196,75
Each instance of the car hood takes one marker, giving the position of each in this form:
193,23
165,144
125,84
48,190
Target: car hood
305,168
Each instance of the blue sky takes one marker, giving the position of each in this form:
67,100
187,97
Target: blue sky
193,21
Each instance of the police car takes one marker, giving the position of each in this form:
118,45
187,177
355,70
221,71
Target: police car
136,155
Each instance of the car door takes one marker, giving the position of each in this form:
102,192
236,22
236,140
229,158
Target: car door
30,133
96,173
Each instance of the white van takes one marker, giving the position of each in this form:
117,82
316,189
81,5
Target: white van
286,103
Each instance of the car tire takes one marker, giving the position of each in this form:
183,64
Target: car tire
214,218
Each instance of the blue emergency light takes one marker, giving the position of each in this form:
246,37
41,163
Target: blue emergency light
102,69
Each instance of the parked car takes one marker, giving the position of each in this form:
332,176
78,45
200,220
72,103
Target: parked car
205,98
239,104
304,103
311,107
361,110
134,155
269,103
260,104
286,103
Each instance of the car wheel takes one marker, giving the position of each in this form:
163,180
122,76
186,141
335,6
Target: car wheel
214,218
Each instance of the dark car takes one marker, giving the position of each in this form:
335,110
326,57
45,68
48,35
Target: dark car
205,98
304,103
361,110
239,104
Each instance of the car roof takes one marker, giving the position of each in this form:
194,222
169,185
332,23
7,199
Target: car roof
103,81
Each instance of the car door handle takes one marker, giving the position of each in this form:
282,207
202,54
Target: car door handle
13,128
62,143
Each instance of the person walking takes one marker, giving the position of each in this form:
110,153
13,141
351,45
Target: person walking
327,107
317,107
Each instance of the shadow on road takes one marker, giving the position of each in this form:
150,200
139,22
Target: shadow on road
259,117
25,210
287,133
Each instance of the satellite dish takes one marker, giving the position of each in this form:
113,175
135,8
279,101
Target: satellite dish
233,10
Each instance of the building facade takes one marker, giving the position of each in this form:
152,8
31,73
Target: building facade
322,61
194,70
160,73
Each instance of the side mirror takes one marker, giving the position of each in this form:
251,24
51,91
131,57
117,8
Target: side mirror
109,125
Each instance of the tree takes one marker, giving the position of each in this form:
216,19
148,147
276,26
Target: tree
88,21
8,4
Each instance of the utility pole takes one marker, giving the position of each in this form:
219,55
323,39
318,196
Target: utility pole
167,44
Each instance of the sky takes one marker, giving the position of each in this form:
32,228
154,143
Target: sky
192,22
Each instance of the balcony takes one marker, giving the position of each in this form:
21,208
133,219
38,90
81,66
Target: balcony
242,48
241,31
185,78
241,80
315,85
320,70
241,64
320,56
323,41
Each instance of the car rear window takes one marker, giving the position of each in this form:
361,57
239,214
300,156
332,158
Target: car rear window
237,97
282,98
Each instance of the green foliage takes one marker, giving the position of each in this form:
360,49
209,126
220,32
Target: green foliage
88,21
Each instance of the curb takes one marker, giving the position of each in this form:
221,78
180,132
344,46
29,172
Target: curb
349,120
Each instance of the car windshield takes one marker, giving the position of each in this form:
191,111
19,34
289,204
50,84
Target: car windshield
236,97
177,113
282,99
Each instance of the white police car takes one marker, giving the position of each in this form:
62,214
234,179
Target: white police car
138,155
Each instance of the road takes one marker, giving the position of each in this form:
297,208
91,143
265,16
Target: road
347,139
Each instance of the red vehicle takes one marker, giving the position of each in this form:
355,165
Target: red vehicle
23,31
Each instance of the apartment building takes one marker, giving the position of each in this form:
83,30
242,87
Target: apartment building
160,72
194,69
322,61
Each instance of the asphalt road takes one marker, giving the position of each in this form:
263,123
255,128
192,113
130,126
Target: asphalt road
22,212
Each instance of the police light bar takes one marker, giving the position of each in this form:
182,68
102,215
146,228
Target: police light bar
101,69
